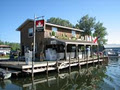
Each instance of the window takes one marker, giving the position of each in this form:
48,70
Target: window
73,33
54,29
30,32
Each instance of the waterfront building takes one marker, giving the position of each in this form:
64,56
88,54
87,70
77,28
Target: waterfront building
55,41
112,49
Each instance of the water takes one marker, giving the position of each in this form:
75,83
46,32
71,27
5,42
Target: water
93,78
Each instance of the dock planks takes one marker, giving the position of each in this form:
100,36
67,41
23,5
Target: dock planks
43,66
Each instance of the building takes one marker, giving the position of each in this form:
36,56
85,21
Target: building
54,39
4,49
112,49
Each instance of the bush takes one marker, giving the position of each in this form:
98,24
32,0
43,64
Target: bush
53,33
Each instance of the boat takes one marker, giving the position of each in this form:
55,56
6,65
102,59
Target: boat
111,53
4,74
118,53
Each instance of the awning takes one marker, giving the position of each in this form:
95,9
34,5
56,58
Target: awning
76,42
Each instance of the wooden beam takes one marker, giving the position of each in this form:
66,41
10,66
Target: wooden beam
84,52
69,63
65,51
76,51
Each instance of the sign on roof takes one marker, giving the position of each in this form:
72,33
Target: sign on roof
40,25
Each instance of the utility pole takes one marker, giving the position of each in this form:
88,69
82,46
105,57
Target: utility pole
34,43
34,35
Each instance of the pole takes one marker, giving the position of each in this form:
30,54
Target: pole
33,46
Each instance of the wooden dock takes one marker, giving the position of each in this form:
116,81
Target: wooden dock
20,67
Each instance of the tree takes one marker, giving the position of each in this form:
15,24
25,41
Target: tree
59,21
86,23
100,31
14,46
1,42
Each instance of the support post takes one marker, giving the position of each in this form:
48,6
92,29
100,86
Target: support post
93,56
65,51
103,59
79,63
91,49
58,81
87,58
34,35
76,51
98,55
47,68
69,63
18,57
84,52
57,67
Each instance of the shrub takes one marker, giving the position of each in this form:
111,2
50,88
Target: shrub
53,33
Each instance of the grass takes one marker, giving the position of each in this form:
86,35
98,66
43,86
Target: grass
6,56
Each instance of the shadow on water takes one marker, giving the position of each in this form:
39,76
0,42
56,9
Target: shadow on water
94,78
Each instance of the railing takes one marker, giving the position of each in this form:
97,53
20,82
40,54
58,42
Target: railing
60,35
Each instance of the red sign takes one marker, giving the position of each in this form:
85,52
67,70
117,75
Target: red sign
40,23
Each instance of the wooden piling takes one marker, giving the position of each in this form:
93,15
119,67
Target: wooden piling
79,63
103,60
93,60
57,80
87,61
69,64
57,67
98,55
47,68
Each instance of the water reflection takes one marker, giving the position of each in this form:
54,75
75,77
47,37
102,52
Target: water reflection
113,73
94,78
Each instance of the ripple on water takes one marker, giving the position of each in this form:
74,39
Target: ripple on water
113,74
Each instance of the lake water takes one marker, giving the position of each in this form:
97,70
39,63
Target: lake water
102,77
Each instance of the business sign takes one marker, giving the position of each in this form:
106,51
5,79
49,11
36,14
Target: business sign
53,42
40,25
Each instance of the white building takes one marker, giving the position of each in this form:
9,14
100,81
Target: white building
5,49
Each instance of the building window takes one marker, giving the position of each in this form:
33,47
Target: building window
54,29
73,34
30,32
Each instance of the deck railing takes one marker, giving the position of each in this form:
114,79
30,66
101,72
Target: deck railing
59,35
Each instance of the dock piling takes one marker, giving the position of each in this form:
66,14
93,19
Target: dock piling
47,68
79,63
57,67
69,63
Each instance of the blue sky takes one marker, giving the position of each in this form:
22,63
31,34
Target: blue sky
14,12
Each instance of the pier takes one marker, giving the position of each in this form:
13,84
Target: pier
45,66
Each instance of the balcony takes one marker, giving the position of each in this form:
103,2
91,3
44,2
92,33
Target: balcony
68,36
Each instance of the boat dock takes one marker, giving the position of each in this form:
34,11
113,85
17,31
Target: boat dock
45,66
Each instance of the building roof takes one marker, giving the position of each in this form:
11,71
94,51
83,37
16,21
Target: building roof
110,46
1,46
24,23
75,42
54,25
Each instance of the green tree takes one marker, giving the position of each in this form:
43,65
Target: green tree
59,21
14,46
86,23
1,42
100,31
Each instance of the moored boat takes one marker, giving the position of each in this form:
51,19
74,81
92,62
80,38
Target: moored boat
4,74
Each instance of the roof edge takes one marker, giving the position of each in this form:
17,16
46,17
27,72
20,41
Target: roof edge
55,25
27,20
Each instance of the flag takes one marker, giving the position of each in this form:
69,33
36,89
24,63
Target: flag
96,39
